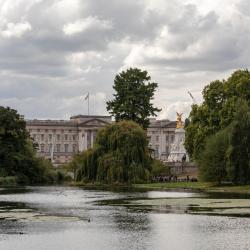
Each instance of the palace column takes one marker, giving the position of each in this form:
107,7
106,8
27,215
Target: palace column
92,138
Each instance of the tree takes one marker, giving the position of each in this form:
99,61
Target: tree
132,100
217,111
213,159
239,150
120,155
13,140
17,151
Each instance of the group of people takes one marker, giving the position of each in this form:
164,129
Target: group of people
174,178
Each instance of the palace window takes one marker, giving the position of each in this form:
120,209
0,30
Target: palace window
50,137
42,137
58,148
58,137
167,151
74,148
65,137
42,148
66,148
157,138
172,138
167,138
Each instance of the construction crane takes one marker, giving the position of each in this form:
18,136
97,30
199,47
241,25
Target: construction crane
194,101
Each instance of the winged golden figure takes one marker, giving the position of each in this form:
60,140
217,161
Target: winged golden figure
179,122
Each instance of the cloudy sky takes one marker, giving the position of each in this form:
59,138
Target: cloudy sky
52,52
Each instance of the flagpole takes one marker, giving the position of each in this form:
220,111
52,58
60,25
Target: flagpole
88,104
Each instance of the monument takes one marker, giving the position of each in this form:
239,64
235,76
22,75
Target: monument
177,150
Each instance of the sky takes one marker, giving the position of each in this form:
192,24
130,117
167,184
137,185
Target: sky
53,52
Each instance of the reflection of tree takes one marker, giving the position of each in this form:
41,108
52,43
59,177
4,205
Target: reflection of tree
134,229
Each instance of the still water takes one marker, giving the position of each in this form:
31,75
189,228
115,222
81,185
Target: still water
68,218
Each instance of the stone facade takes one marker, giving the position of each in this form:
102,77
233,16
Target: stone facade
161,134
59,140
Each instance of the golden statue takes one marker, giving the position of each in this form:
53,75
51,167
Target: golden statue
179,122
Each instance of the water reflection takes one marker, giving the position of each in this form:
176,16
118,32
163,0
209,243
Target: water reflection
59,218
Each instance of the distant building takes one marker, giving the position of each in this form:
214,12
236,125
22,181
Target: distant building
161,134
59,140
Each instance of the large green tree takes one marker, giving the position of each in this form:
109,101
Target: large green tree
120,155
239,150
13,140
133,97
17,150
213,159
217,111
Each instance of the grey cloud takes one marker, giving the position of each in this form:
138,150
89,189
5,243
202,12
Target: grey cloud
38,77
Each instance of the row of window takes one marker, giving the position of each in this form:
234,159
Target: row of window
57,137
167,138
58,148
50,130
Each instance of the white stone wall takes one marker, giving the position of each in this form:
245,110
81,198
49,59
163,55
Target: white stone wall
78,134
65,138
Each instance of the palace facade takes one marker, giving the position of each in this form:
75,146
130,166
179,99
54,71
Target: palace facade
161,134
59,140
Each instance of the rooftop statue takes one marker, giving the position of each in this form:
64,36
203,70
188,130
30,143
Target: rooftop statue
179,122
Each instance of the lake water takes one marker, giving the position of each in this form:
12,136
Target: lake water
68,218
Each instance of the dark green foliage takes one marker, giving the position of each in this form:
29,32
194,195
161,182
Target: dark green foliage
213,159
17,151
158,168
13,140
132,100
120,155
218,135
217,110
239,150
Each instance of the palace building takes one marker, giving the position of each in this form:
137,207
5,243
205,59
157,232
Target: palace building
59,140
161,134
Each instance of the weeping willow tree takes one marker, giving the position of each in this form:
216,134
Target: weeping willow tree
120,155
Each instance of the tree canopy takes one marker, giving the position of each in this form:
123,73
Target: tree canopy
218,135
120,155
17,150
133,95
217,111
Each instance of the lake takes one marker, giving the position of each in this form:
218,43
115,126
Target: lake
71,218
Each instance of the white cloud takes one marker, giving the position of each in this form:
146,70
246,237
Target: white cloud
85,24
79,46
15,29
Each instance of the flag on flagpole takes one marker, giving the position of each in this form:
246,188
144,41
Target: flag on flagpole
86,97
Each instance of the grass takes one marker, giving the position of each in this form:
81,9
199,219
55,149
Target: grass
201,186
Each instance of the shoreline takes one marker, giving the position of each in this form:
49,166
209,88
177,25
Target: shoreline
174,186
155,186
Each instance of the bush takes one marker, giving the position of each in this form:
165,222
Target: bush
159,168
213,160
